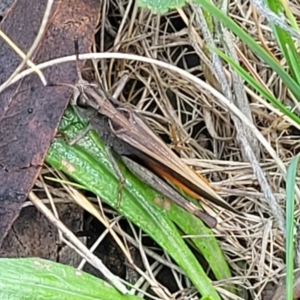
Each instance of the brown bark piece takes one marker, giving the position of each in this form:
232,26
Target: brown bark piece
30,112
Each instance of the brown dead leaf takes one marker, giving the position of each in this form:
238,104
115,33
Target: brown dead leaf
30,112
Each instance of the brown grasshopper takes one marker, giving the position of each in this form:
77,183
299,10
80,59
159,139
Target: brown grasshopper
128,135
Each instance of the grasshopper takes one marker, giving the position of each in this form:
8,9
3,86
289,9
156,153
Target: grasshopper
127,133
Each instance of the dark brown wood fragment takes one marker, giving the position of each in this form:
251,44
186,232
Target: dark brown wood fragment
30,112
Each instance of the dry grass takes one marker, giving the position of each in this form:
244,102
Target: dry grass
202,132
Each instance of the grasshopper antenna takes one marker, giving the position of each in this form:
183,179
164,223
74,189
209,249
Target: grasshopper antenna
79,95
76,45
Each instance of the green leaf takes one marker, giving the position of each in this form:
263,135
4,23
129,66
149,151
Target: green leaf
34,278
207,245
88,164
159,6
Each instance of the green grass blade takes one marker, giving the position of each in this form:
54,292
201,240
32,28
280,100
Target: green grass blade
252,44
286,43
290,16
258,87
290,203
